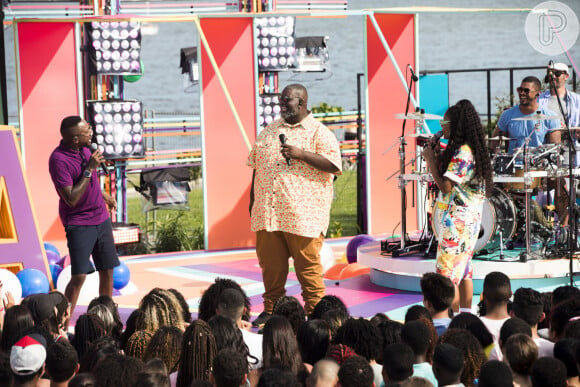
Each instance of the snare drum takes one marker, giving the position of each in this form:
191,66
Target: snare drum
499,215
521,187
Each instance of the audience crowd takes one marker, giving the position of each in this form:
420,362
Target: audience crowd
522,339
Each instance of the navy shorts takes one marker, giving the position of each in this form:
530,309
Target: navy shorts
96,240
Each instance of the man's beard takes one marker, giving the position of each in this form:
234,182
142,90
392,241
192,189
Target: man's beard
290,116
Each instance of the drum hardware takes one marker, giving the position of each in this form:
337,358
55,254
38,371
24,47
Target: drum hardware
418,116
536,117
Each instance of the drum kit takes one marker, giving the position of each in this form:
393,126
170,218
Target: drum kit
511,216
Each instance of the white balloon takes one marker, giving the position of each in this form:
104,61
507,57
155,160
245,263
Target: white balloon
326,257
10,283
89,290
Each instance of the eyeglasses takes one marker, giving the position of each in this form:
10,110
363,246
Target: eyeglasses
286,99
524,90
558,73
444,122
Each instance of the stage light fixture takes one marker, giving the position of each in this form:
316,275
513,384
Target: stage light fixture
275,42
311,54
114,47
189,67
117,128
268,109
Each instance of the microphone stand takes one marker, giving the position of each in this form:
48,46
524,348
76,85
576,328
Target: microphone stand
405,245
572,234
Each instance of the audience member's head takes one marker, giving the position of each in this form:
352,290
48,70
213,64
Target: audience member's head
17,321
138,343
43,310
473,354
62,361
118,370
564,293
152,379
356,371
326,303
157,312
398,360
495,373
313,340
520,352
184,305
438,292
130,327
174,309
279,346
230,368
99,349
88,328
416,335
335,318
561,315
228,335
210,297
114,329
528,304
165,344
292,309
83,379
231,304
572,329
155,365
512,326
62,308
360,335
339,352
415,312
278,377
547,302
107,316
447,364
27,358
565,351
474,325
379,318
416,381
548,372
497,289
197,353
324,374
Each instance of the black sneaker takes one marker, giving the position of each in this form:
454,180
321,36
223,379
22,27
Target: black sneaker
261,319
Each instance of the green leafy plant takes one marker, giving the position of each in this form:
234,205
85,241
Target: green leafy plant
323,107
176,234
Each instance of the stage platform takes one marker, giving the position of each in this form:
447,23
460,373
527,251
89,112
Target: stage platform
404,272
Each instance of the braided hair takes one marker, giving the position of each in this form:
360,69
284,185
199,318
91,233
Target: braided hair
472,351
466,129
88,328
137,343
165,345
197,353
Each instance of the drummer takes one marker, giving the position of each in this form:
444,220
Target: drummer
519,130
512,123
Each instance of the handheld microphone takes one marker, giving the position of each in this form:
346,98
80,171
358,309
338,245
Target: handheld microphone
549,72
94,147
436,138
413,76
282,138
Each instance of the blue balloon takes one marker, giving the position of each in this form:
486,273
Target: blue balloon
121,276
50,247
54,272
33,281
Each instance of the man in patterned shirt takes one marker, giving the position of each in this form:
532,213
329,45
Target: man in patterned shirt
295,159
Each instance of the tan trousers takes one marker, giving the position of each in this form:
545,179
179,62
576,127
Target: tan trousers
273,250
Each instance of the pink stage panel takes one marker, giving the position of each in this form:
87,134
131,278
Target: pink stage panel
48,82
227,178
387,97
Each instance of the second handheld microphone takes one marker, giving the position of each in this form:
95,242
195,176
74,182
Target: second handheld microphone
282,138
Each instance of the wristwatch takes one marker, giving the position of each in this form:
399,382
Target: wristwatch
87,173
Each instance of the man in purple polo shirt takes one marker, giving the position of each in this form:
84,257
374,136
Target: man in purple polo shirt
83,208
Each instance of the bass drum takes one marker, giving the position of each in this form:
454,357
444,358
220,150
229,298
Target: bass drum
499,214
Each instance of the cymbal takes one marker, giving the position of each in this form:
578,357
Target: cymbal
418,116
536,117
499,138
557,129
421,135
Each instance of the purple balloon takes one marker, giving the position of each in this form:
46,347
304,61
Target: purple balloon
353,245
52,257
